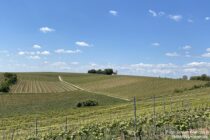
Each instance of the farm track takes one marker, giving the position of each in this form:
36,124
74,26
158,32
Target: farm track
79,88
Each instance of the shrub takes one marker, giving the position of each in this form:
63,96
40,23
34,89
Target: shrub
178,90
9,79
87,103
4,87
79,104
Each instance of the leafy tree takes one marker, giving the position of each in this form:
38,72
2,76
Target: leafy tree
92,71
109,71
184,77
203,77
10,78
105,71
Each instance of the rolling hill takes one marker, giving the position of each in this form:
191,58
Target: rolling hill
52,97
124,87
129,86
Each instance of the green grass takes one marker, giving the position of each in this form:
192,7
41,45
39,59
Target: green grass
51,109
128,86
19,104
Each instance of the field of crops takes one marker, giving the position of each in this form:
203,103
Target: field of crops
112,114
32,86
40,83
128,86
54,112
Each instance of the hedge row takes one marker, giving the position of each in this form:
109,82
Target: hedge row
9,79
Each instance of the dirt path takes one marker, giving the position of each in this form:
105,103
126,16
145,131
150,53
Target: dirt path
60,79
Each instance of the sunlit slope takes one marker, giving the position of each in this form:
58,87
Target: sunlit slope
24,103
129,86
40,83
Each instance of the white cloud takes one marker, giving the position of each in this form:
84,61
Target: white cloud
59,51
31,53
59,64
74,63
190,21
46,62
34,57
176,18
173,54
21,53
156,44
198,64
187,47
206,55
37,46
82,44
208,49
62,51
93,64
153,13
168,69
26,53
207,18
46,29
45,53
150,69
161,13
113,12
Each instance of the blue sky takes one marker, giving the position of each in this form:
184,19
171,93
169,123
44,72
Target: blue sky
147,37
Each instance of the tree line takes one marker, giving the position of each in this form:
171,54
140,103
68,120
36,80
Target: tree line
105,71
9,79
203,77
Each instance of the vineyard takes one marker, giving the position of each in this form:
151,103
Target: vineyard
157,113
120,86
29,83
32,86
156,118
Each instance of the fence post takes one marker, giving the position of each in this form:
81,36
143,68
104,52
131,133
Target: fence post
164,109
164,105
154,116
122,136
12,134
134,108
3,134
36,127
171,103
66,125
